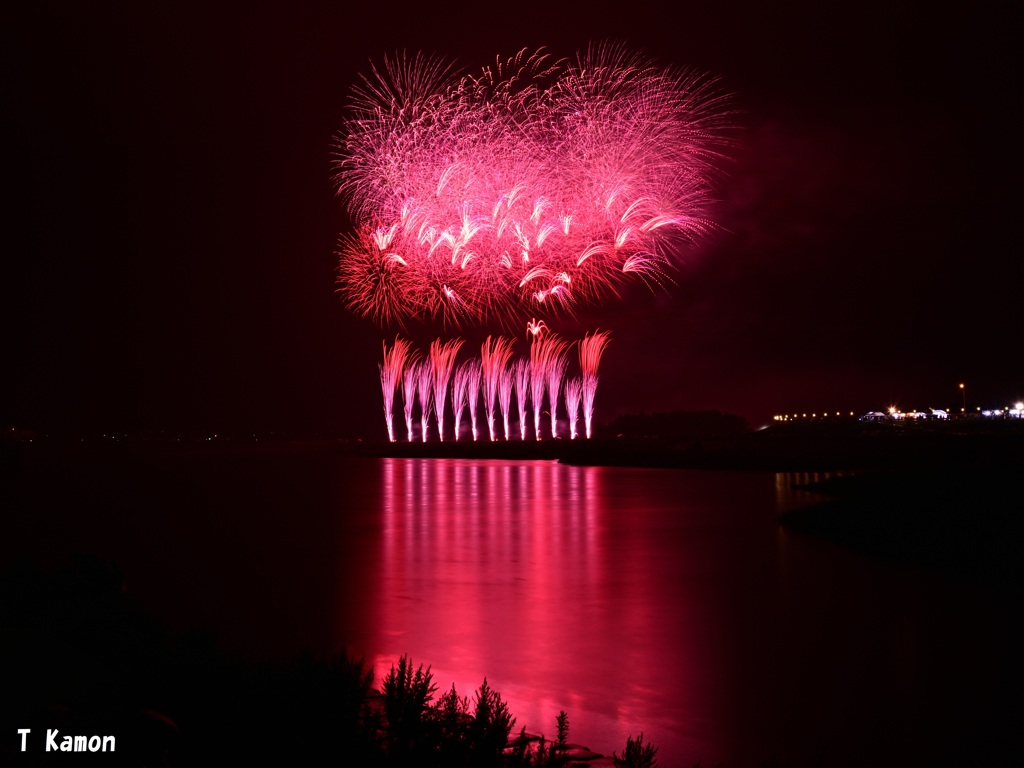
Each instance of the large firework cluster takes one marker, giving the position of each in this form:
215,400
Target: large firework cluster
538,380
527,188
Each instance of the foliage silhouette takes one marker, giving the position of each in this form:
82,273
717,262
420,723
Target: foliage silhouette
492,723
562,726
637,754
407,694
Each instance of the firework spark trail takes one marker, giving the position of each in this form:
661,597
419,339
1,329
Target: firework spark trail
424,384
534,185
473,379
591,349
546,353
461,389
573,393
505,383
553,383
390,376
521,374
495,353
537,375
410,380
442,360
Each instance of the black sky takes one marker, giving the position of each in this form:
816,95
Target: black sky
170,225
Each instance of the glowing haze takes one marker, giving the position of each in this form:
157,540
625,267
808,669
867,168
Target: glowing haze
523,189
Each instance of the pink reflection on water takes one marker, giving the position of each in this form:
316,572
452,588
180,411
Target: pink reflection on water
528,573
673,603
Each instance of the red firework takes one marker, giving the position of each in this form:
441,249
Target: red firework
528,188
390,377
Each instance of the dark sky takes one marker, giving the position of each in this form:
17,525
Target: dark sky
170,226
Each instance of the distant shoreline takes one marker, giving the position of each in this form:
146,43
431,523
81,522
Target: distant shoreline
848,447
842,446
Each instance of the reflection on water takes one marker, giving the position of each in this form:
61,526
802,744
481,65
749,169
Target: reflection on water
485,569
664,601
671,602
570,587
789,493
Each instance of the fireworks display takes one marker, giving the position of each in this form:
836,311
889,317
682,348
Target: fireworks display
591,349
390,376
537,380
442,360
528,188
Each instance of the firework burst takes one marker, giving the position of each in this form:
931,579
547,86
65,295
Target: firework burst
529,188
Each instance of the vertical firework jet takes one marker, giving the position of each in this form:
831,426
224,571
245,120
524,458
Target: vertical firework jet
461,390
390,375
442,359
424,383
473,379
505,382
522,377
591,349
547,365
494,356
573,393
410,380
492,378
553,384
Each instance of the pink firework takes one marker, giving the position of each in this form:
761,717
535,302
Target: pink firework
466,390
522,377
494,356
591,349
442,360
424,385
547,366
390,376
410,381
573,393
505,383
473,378
530,187
555,370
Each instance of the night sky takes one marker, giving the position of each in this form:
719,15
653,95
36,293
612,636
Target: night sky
170,225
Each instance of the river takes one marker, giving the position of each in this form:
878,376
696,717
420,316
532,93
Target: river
668,602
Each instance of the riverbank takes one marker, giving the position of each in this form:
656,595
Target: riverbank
80,656
962,523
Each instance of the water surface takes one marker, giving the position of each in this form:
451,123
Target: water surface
664,601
